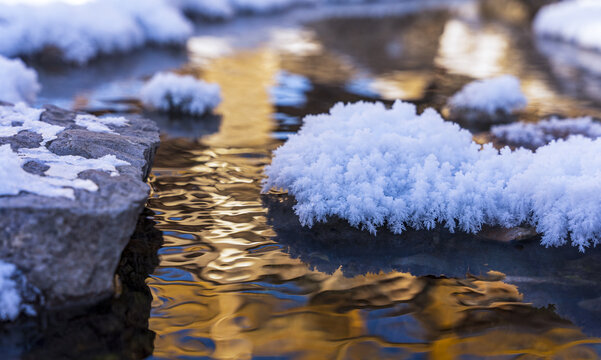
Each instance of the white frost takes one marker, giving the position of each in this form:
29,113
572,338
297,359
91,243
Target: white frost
10,297
500,94
84,31
376,167
534,135
576,21
180,93
97,124
17,82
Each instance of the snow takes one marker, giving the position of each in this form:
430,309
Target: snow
96,124
82,32
290,89
61,177
575,21
17,82
180,93
14,119
501,94
378,167
10,297
533,135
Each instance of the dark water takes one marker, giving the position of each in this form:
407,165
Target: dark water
239,278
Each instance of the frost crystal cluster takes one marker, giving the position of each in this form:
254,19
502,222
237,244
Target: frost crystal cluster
534,135
17,82
180,93
575,21
61,176
375,166
501,94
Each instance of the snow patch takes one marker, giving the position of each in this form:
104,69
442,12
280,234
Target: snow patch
97,124
17,82
534,135
14,119
374,167
576,21
501,94
180,93
82,32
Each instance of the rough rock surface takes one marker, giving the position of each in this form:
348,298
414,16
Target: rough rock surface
69,248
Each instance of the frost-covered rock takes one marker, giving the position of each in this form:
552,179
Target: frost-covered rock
82,32
376,167
290,89
534,135
500,95
180,94
575,21
71,189
17,82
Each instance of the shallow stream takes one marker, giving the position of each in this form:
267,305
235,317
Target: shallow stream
239,278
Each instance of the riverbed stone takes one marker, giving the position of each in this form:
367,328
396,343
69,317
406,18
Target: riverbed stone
69,248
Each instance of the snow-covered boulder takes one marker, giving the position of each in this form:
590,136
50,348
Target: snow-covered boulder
575,21
82,32
18,83
534,135
488,99
391,167
184,94
71,191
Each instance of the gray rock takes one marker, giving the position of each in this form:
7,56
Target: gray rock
69,248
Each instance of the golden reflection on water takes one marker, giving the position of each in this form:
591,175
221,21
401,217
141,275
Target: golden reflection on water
226,290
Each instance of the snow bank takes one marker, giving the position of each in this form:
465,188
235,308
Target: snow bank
534,135
61,176
491,96
290,89
180,93
576,21
17,82
81,32
376,167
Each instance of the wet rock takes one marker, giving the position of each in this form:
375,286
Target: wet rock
116,328
69,247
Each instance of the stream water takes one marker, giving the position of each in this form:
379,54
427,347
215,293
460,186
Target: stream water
239,278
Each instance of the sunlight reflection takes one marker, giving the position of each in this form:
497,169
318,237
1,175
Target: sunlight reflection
474,52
